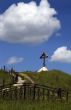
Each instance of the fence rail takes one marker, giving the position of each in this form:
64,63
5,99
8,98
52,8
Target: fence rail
30,91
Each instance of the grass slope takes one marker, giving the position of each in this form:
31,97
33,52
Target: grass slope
54,78
5,77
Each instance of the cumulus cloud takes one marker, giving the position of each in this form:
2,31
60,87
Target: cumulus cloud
62,54
14,60
29,23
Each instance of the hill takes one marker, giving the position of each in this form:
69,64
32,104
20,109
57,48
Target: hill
53,78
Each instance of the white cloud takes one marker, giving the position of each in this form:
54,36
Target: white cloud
14,60
28,23
62,54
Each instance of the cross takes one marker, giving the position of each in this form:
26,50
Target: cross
43,56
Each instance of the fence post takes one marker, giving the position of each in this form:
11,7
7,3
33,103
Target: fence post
11,93
48,94
34,92
38,93
24,91
43,93
67,96
59,93
16,92
20,92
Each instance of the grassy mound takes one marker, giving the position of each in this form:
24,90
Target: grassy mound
54,78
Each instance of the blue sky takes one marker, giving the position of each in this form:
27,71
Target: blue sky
26,54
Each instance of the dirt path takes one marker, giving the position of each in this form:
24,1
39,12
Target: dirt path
27,77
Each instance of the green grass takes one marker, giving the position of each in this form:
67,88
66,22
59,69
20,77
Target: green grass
52,78
24,105
6,77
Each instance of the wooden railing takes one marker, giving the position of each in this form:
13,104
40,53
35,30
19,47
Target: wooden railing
30,91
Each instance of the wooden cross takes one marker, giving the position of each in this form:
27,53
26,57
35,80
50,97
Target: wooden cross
43,56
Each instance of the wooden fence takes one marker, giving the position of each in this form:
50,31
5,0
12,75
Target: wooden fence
33,92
